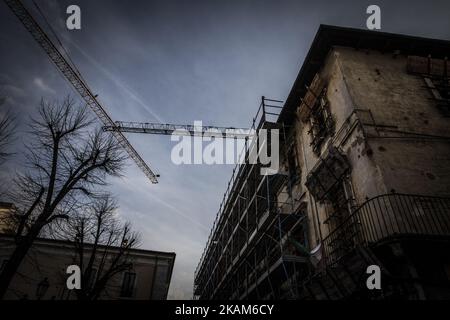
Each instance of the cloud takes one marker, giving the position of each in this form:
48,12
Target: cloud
8,89
38,82
131,93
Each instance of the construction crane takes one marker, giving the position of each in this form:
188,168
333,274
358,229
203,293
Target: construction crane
266,109
177,129
71,73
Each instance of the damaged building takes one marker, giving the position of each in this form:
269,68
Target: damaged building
364,180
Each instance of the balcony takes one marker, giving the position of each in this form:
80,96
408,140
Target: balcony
388,217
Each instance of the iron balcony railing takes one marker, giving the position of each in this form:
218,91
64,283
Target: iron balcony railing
387,216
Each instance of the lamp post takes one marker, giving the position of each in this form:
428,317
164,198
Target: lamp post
42,288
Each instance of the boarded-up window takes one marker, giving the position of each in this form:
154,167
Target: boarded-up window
309,100
428,66
321,123
314,108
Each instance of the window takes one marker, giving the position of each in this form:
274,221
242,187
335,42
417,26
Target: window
343,228
327,173
440,89
296,242
340,201
436,74
92,278
3,264
321,122
129,279
292,165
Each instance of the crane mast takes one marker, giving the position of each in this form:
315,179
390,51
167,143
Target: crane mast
73,76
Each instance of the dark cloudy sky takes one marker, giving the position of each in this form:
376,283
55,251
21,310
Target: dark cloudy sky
178,61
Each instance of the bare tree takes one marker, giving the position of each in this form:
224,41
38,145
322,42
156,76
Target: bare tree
102,246
66,164
6,131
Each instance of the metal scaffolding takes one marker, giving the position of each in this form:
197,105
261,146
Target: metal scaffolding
256,248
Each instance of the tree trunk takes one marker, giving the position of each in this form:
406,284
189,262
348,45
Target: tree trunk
14,262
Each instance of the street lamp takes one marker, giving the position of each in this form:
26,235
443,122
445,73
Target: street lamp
42,288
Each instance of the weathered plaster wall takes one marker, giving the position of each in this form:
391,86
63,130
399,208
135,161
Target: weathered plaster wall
410,147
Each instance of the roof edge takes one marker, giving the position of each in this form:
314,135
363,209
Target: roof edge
328,36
